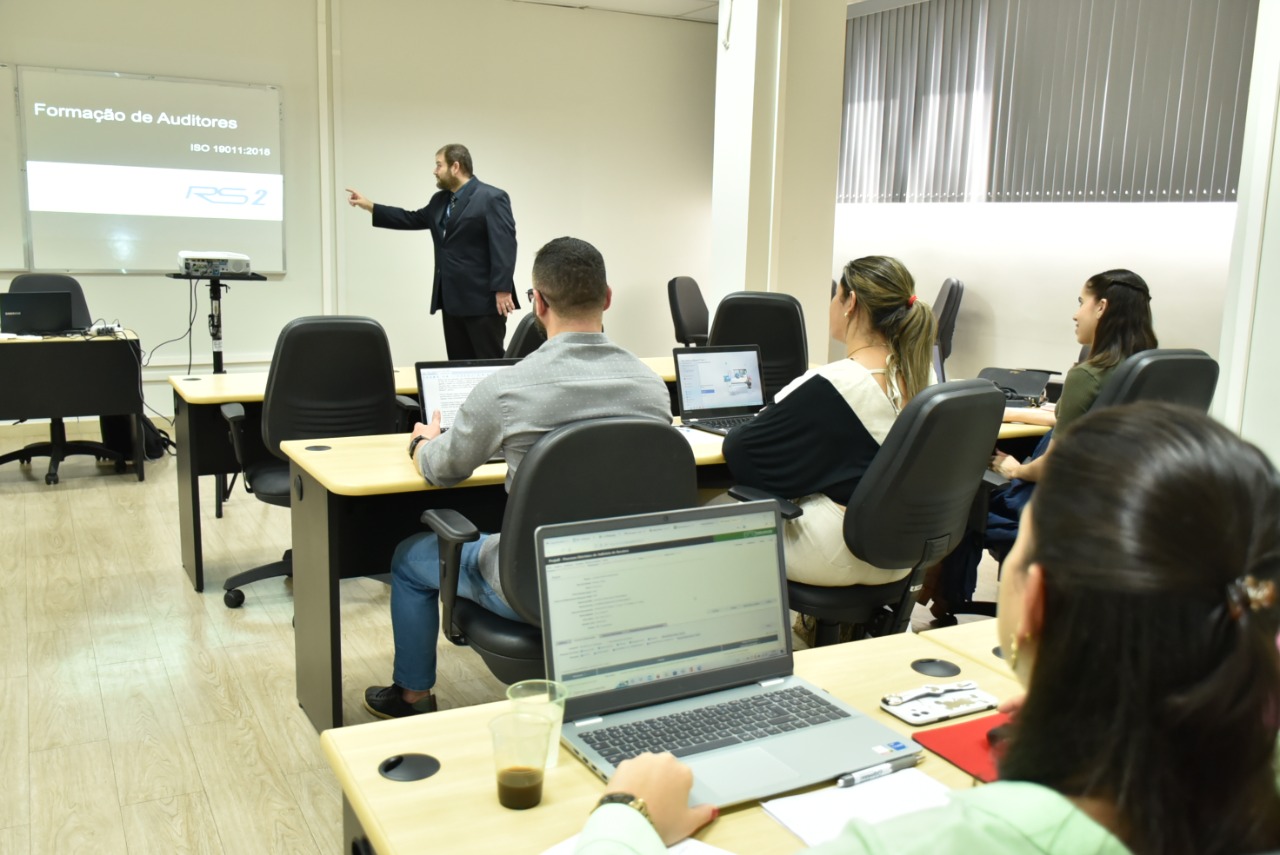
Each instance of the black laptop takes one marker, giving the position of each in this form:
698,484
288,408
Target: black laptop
35,312
718,388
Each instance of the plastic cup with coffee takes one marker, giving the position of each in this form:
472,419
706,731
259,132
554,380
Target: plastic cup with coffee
520,757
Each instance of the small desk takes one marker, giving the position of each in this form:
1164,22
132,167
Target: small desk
72,376
354,499
204,447
457,809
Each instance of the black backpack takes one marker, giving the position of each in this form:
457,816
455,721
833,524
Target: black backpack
116,436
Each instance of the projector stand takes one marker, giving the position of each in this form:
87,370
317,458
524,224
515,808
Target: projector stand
216,288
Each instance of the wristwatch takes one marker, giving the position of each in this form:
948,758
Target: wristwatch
413,445
626,799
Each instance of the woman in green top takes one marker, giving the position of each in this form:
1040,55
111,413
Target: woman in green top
1139,609
1113,320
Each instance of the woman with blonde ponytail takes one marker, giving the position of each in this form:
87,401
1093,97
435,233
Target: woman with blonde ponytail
819,436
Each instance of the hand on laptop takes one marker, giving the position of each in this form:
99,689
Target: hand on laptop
664,784
429,431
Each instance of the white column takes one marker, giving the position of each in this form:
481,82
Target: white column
779,78
1248,395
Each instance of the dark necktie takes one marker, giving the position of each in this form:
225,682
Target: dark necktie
448,210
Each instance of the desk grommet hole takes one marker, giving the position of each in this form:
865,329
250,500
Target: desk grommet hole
997,652
935,667
318,447
192,379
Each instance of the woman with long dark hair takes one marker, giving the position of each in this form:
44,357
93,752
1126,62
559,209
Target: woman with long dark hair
1139,609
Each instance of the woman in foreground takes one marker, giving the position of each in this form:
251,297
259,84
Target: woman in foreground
1139,609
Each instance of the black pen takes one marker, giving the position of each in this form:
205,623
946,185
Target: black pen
870,774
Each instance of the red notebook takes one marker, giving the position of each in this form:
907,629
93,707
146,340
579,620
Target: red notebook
966,745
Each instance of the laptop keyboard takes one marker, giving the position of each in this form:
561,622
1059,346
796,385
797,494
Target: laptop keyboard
726,422
716,726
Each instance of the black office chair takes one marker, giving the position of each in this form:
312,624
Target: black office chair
773,321
527,338
688,311
946,310
1188,377
910,509
650,468
58,448
329,377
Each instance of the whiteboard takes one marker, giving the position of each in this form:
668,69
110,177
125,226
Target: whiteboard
121,172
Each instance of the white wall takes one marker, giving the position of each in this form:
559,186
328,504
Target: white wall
1023,264
598,124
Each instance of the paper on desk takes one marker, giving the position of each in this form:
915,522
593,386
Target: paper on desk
684,847
698,438
818,816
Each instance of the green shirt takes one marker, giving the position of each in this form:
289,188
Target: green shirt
1079,391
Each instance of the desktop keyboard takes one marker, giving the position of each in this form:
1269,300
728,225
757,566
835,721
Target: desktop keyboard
715,726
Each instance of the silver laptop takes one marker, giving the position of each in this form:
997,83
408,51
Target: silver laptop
718,388
678,622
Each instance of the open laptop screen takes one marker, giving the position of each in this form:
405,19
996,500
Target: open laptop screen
719,381
636,602
444,386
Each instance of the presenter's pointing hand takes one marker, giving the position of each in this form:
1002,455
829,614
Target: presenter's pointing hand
355,200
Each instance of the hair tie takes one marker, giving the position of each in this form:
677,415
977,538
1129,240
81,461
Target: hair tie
911,301
1248,594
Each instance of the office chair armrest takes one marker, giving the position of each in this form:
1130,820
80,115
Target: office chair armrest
407,414
234,414
698,340
789,510
452,530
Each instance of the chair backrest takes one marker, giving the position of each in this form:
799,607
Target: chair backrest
1187,377
80,317
330,376
589,470
912,505
527,338
688,311
773,321
946,309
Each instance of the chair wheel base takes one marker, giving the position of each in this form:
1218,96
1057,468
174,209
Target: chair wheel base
233,599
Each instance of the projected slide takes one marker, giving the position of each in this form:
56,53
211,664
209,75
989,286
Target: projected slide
123,171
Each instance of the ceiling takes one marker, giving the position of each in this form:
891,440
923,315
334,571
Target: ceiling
703,11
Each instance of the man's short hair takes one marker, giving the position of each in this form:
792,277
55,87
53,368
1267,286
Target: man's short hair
457,153
570,274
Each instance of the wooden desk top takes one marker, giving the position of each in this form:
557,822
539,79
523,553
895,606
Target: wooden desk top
249,386
976,640
373,465
1013,430
127,335
457,811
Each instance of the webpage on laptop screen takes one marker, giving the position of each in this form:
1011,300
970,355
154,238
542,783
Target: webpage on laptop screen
715,380
638,605
445,389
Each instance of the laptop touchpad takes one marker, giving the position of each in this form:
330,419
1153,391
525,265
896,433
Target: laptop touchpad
727,770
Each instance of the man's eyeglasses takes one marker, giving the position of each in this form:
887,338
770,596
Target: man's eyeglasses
529,296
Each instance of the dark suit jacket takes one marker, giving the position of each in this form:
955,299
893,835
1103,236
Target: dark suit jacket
475,257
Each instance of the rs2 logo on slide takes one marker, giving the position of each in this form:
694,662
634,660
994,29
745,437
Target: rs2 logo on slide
227,195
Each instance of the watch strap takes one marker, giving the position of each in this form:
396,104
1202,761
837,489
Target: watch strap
634,802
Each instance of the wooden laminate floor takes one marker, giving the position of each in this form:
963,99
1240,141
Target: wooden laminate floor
137,716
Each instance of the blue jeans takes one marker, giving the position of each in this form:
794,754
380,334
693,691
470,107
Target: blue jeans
415,606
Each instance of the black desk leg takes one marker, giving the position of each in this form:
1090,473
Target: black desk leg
188,492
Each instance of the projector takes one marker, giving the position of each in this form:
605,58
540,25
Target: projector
209,263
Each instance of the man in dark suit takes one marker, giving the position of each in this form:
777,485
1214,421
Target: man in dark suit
475,241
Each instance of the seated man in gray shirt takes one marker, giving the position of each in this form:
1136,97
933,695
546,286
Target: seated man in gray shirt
577,374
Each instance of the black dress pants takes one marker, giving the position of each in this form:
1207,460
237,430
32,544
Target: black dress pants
474,337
